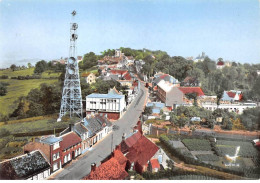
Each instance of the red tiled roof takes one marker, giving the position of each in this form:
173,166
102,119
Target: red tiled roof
79,57
127,76
120,72
135,83
113,169
69,139
163,76
220,63
231,94
130,141
197,90
142,151
155,88
155,163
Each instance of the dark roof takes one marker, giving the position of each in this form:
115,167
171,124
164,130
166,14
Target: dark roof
142,151
69,140
96,124
23,167
80,128
112,169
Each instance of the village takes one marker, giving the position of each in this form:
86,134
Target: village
136,148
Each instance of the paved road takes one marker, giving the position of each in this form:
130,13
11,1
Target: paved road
80,168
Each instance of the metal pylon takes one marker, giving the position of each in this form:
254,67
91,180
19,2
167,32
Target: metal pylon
71,102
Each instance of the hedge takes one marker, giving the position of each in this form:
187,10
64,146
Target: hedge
38,133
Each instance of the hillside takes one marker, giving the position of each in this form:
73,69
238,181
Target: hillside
18,88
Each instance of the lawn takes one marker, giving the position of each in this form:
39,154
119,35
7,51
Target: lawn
16,89
197,144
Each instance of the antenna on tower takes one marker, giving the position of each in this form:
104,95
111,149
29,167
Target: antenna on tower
71,102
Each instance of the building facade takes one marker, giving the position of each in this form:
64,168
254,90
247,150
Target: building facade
50,148
112,105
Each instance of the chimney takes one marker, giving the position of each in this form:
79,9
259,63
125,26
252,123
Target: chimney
123,137
93,167
71,126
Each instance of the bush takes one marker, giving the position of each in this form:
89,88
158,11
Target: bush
4,132
16,144
4,77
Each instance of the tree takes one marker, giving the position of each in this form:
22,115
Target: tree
193,96
40,67
148,110
89,60
13,67
219,96
29,65
256,90
3,89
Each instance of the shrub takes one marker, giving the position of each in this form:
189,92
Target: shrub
4,132
4,77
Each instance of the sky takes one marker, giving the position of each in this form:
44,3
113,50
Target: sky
39,29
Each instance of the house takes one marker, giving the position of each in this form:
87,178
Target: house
30,166
138,150
118,53
89,77
166,77
79,58
200,57
98,127
190,81
113,105
156,106
232,96
170,95
70,146
258,72
153,165
50,148
237,108
197,90
112,169
220,64
82,132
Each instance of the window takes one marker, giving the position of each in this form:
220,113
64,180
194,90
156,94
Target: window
58,155
65,159
56,145
55,166
54,157
69,158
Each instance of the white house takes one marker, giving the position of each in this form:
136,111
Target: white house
238,108
111,104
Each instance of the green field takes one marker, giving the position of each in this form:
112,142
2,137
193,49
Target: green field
33,126
11,73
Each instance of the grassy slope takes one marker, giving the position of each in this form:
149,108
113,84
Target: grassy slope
18,88
38,125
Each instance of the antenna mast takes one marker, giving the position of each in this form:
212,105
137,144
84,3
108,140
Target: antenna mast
71,102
